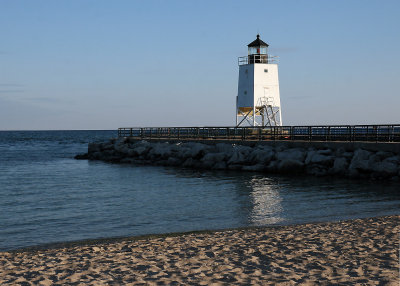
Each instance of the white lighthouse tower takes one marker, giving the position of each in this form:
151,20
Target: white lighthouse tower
258,102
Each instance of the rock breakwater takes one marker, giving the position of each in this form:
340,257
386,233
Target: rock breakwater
263,157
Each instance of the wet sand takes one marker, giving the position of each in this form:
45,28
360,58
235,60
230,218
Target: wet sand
362,251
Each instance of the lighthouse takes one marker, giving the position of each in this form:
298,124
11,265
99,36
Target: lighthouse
258,101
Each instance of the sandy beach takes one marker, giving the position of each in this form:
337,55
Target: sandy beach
362,251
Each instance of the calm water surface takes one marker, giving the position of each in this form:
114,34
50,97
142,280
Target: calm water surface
46,196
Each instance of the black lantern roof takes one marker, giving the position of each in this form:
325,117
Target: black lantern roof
258,43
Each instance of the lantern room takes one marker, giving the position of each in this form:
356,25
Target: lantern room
257,51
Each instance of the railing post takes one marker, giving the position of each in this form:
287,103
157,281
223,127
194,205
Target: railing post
329,134
352,133
309,133
179,132
391,133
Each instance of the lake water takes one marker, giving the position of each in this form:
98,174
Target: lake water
46,196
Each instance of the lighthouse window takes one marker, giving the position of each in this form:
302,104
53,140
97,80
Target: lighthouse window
245,92
265,70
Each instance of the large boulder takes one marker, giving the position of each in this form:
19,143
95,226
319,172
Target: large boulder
120,145
261,156
360,161
189,163
290,165
393,159
93,147
294,154
325,152
385,169
361,154
340,166
224,148
213,157
160,150
383,155
141,149
193,150
315,157
272,166
317,170
220,166
240,155
122,148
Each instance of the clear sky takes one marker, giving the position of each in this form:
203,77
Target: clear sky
97,64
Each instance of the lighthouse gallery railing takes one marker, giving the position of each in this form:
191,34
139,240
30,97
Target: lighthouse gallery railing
257,59
348,133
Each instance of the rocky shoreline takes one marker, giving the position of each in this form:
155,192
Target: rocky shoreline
312,160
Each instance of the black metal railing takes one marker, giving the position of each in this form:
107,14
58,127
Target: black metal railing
257,59
349,133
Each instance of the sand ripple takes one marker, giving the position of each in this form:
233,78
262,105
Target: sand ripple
363,251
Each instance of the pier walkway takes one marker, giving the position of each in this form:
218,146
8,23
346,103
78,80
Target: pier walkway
328,133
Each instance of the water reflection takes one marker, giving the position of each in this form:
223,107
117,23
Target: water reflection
266,201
